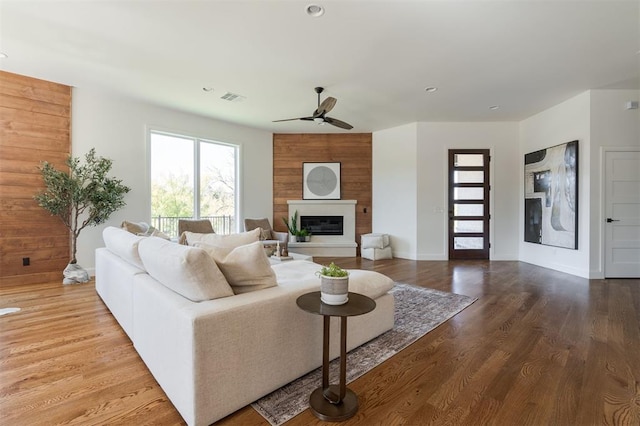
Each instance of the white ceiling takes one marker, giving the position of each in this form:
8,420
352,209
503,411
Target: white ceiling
375,57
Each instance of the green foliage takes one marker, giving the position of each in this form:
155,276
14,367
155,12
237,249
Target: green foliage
293,226
333,270
85,196
172,197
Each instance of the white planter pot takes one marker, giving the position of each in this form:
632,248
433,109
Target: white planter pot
75,274
334,290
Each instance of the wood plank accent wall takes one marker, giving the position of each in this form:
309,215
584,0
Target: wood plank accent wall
352,150
35,120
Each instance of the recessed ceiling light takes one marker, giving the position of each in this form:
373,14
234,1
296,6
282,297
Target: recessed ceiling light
315,10
208,89
430,89
3,55
494,107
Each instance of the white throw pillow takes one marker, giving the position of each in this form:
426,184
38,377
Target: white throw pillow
123,244
246,267
189,271
220,240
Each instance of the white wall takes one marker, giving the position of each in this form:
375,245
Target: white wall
410,185
394,187
612,126
434,142
117,128
599,120
562,123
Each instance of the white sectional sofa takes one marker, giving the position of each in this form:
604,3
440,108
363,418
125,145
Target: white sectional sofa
213,357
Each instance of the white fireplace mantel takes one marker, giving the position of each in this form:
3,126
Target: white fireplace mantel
327,245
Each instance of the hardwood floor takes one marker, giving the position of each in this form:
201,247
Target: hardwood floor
538,347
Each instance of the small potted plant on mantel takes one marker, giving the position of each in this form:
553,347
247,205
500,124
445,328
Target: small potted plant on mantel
303,235
297,235
292,226
334,285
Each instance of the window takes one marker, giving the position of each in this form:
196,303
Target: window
192,178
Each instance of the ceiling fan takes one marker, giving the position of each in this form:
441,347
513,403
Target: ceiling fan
319,114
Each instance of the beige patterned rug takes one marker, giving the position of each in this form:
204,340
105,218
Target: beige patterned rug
418,311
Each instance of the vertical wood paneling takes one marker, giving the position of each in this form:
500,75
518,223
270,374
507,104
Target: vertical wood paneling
35,117
352,150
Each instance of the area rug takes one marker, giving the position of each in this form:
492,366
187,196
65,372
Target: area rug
418,310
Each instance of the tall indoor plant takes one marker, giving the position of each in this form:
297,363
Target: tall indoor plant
83,196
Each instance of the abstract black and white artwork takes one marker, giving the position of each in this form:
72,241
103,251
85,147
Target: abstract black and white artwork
551,196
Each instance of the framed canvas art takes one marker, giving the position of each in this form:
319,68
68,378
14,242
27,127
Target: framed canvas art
551,196
321,181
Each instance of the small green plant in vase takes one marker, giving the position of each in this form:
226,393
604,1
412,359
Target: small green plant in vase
303,235
292,226
334,285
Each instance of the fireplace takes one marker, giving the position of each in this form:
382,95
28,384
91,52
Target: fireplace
323,225
328,237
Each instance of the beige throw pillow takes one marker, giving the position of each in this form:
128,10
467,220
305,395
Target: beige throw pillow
189,271
219,240
265,234
136,228
246,267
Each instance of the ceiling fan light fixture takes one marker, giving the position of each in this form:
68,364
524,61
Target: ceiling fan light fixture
315,10
319,120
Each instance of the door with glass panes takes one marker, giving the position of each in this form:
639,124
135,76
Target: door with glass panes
469,204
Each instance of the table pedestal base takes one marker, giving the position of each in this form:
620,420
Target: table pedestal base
329,412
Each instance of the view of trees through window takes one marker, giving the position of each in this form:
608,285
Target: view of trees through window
192,179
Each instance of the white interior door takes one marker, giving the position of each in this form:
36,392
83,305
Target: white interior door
622,214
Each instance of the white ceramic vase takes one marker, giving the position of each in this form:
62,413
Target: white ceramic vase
334,290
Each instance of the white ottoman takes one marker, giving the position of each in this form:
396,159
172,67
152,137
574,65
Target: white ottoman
375,246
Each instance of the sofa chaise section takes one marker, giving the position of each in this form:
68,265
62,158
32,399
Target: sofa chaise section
214,357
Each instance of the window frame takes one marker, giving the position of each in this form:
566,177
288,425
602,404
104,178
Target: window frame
196,140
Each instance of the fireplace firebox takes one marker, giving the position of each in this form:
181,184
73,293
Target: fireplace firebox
323,225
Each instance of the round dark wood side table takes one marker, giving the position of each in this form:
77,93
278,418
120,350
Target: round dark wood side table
334,403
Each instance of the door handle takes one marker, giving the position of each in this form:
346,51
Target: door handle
609,220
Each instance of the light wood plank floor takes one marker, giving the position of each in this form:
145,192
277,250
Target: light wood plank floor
539,347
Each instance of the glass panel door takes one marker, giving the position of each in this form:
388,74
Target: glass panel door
469,204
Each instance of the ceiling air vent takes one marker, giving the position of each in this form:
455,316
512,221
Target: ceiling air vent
232,97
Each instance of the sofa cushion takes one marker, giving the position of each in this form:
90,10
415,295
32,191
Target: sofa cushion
123,244
295,273
219,240
246,267
189,271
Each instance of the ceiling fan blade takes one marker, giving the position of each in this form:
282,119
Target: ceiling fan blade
338,123
292,119
326,106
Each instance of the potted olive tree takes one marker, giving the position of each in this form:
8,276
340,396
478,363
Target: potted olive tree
334,285
83,196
